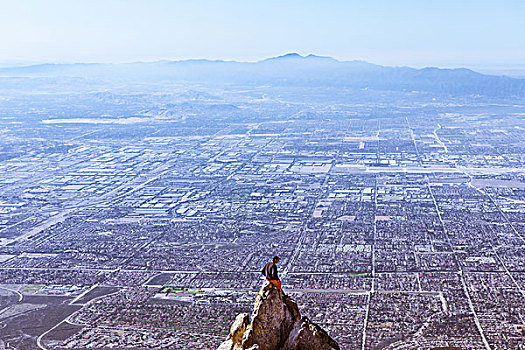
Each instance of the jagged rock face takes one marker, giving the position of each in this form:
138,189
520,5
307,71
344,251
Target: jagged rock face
309,336
272,320
237,330
276,324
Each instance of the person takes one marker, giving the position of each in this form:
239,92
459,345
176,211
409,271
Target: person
270,272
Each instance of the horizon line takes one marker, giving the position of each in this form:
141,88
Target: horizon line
15,63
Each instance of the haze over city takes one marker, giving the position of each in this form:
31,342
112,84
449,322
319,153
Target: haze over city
447,33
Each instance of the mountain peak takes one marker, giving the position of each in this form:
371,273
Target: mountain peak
276,324
296,56
290,55
287,56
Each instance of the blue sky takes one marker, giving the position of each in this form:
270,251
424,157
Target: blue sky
393,32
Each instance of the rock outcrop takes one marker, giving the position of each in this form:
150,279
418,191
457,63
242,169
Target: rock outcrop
276,324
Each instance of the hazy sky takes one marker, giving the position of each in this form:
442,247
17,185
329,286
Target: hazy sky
394,32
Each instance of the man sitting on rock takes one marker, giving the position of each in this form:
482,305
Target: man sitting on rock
270,271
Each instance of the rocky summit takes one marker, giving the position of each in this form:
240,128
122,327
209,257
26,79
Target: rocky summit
276,324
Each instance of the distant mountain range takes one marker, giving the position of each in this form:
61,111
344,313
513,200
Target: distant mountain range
292,70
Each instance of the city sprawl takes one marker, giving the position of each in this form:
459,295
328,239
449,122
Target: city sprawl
141,216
